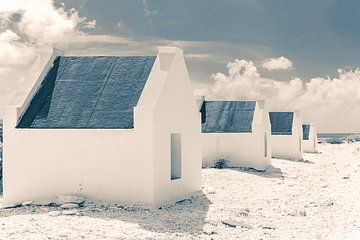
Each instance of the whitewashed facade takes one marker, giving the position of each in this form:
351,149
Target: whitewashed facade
310,141
236,131
155,162
286,135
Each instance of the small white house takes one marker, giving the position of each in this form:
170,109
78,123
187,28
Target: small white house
237,131
309,138
123,129
286,135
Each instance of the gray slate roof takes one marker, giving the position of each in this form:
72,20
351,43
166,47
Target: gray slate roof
306,131
227,116
281,123
89,92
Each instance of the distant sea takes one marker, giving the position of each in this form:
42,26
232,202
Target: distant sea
334,135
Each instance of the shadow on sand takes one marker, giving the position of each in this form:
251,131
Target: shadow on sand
296,160
270,172
187,216
184,216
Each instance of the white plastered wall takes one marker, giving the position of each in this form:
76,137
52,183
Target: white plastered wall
175,111
96,163
100,164
289,146
241,149
310,145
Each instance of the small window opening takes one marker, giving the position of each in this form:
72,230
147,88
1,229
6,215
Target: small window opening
175,156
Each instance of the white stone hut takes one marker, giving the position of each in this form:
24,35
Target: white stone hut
236,131
286,135
310,141
122,129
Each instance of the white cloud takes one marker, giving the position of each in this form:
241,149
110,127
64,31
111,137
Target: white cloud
280,63
15,5
15,56
245,82
90,24
199,56
42,23
332,103
8,36
13,52
38,24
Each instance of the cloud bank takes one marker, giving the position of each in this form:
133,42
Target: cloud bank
280,63
25,27
323,100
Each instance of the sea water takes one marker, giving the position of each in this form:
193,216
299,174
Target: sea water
327,137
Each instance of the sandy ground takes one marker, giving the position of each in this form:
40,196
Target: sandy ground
317,198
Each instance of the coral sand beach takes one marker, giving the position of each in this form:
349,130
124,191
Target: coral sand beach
316,198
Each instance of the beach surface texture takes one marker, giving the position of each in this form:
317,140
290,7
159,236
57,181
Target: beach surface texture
316,198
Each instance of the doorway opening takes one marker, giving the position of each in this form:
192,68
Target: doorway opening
175,156
265,146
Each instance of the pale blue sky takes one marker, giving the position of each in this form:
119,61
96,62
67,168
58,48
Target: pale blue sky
318,36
